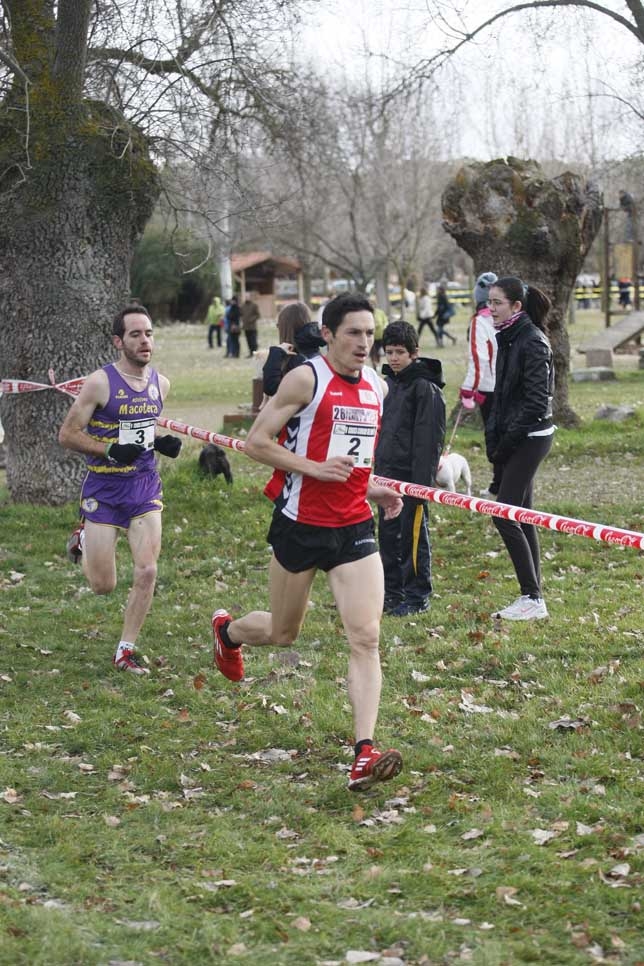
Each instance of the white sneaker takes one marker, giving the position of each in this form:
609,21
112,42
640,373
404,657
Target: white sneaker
524,609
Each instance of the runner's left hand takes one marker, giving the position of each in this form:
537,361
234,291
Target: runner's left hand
390,502
167,445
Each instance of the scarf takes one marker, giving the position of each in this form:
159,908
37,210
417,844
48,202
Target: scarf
500,326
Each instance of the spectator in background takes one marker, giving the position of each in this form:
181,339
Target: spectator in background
380,321
519,430
444,312
249,320
411,441
300,339
624,286
424,315
215,321
478,384
232,318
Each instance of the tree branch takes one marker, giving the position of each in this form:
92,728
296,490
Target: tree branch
427,67
13,66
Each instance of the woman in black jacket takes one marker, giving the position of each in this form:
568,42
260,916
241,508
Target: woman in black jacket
300,340
519,430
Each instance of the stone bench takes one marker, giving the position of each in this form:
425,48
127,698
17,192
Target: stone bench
599,349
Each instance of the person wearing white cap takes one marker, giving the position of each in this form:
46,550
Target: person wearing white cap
478,384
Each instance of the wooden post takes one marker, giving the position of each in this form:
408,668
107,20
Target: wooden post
636,259
606,290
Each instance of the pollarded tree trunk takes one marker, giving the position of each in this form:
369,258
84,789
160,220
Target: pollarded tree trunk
74,198
512,220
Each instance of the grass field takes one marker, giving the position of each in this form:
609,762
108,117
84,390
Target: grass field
182,819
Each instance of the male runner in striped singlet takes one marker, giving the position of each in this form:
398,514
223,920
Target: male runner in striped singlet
327,414
113,422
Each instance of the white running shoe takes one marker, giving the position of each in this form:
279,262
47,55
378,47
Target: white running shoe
524,609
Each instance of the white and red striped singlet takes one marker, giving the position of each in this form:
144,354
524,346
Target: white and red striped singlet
342,419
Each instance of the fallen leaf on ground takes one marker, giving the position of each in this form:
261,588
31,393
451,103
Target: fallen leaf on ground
474,833
506,894
567,723
542,836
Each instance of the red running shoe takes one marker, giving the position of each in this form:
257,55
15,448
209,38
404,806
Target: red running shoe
373,766
75,544
229,660
128,661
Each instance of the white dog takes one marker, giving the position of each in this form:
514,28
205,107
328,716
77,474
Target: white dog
451,469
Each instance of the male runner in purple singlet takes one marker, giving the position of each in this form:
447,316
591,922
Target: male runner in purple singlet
113,423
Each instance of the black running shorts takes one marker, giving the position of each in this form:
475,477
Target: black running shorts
300,546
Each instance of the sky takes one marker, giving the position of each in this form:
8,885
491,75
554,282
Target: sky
537,85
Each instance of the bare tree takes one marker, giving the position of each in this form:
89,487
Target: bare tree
458,35
357,187
94,98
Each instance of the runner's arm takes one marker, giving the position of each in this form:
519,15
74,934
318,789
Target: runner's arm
94,394
295,391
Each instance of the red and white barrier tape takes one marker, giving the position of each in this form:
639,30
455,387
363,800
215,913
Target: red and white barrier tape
538,518
203,434
551,521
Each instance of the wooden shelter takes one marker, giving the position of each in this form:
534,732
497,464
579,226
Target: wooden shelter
271,278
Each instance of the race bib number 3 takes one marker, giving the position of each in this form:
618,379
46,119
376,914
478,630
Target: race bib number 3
352,439
139,431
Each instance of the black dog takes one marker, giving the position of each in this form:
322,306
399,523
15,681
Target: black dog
213,460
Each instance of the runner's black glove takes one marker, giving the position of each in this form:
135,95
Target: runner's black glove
167,445
124,453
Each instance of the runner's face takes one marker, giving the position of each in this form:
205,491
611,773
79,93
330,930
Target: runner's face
138,342
350,346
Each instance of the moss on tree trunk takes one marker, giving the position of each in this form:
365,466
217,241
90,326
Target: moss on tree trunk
68,225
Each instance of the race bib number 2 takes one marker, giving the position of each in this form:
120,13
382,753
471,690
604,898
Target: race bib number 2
139,431
354,440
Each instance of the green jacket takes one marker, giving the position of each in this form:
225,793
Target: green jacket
215,312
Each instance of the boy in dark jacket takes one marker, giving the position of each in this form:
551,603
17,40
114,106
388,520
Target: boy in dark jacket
409,448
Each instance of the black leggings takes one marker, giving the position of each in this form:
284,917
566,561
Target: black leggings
516,486
430,325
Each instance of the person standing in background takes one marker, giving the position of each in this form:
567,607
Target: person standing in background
300,339
411,440
380,320
478,384
215,321
519,430
233,317
249,320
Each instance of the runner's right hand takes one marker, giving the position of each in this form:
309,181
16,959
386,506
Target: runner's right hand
338,469
124,453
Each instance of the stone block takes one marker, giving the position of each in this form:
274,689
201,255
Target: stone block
614,414
595,374
599,357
